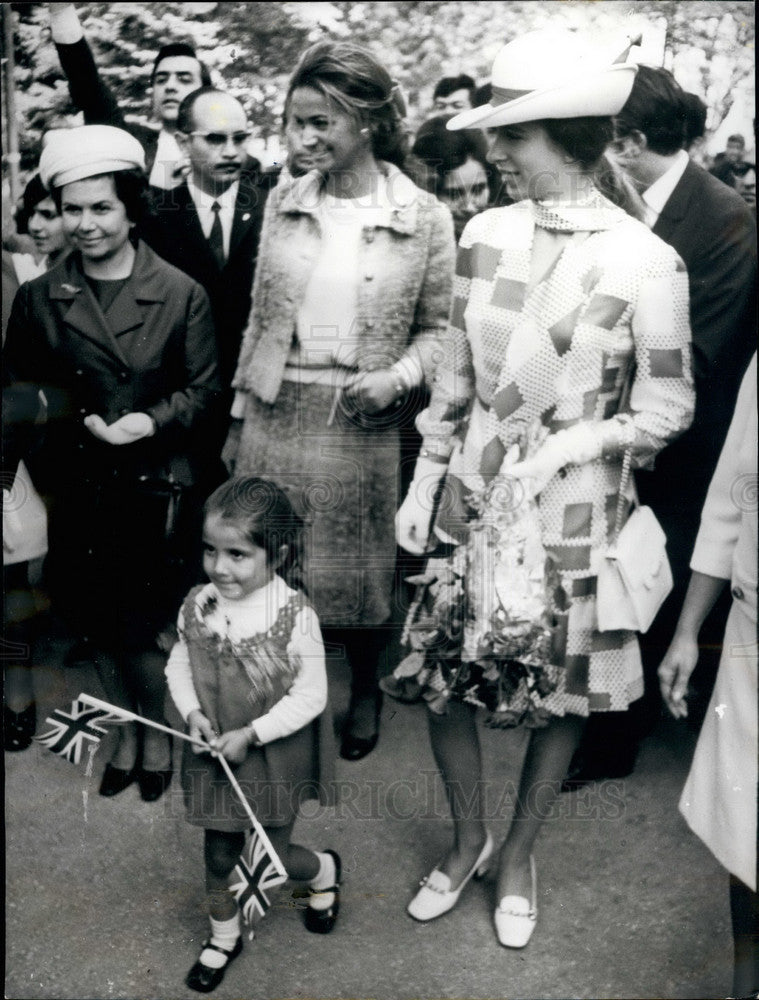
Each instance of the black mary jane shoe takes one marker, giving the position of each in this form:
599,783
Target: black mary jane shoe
18,727
153,783
115,780
322,921
204,979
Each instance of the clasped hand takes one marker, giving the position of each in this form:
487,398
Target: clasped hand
232,745
372,391
127,429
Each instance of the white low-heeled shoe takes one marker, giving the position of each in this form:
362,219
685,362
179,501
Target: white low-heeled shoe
436,896
516,916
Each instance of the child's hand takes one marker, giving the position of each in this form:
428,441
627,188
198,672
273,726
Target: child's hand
200,729
234,745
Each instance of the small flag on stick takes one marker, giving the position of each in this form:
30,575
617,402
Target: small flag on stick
73,730
256,872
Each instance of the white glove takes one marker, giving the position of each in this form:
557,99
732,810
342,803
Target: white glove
131,427
573,446
412,522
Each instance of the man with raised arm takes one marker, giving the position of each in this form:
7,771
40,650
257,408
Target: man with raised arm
176,72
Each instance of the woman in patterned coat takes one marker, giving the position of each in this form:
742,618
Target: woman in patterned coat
568,345
351,295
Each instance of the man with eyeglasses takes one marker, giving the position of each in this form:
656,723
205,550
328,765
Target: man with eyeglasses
209,225
177,71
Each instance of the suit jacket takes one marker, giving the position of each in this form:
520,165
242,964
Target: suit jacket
714,233
175,233
154,354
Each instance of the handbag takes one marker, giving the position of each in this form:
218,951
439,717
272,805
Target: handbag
634,578
24,521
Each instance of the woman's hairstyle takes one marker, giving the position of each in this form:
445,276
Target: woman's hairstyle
352,78
582,139
442,151
586,140
264,515
131,188
34,193
445,151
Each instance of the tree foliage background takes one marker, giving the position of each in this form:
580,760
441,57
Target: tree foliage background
252,47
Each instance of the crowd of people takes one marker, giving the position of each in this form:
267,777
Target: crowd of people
241,402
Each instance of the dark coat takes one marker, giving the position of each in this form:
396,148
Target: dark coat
123,539
155,354
175,233
715,235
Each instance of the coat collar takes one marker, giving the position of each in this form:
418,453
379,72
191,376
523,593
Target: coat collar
146,284
302,195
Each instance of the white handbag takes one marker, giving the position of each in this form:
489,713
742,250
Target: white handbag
24,521
634,578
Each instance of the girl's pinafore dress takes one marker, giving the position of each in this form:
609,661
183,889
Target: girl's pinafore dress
236,683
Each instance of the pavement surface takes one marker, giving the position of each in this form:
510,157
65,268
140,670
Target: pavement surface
104,897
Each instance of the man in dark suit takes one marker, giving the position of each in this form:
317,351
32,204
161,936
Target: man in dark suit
177,71
715,235
209,226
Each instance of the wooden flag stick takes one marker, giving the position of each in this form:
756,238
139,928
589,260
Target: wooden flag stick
134,717
252,817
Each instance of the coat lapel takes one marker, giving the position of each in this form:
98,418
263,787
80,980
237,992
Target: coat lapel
82,312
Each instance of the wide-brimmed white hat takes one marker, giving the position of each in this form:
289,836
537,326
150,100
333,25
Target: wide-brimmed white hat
553,73
73,154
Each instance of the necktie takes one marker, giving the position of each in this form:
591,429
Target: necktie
216,236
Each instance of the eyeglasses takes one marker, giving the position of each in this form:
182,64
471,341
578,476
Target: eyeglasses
221,138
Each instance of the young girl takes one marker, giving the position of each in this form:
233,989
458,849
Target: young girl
248,676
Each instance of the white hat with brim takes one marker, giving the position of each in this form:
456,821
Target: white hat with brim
74,154
552,74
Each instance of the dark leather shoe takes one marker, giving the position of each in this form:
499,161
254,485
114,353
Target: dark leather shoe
322,921
153,783
203,978
356,747
583,772
18,727
115,780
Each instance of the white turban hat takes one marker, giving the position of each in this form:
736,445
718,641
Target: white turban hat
73,154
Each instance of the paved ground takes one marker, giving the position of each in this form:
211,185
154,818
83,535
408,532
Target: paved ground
104,896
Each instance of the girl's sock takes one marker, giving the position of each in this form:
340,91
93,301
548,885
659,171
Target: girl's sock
325,879
224,934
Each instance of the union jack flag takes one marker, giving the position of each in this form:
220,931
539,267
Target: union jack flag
255,872
72,729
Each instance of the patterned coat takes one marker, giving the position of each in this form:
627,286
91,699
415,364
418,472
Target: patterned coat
608,322
404,292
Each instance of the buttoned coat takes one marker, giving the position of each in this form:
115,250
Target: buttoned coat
405,270
154,354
